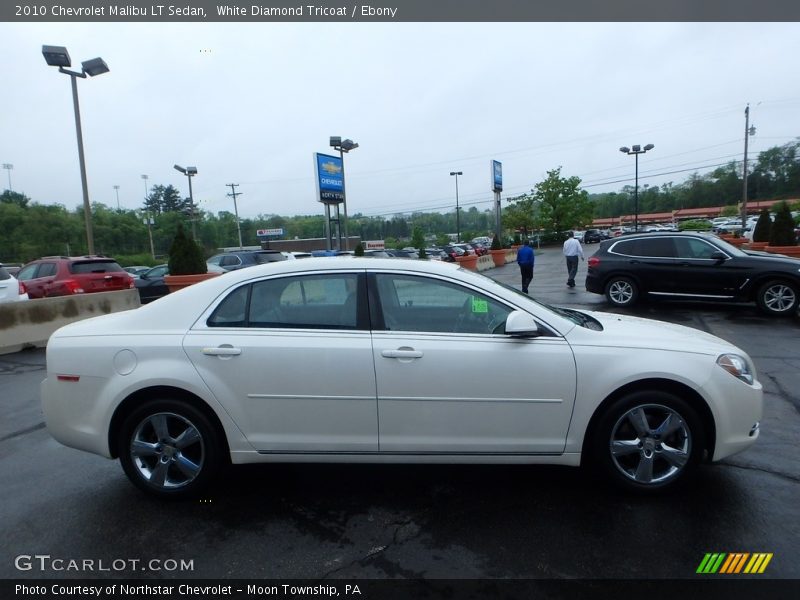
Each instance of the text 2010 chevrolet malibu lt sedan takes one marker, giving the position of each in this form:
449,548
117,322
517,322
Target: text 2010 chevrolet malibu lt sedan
378,360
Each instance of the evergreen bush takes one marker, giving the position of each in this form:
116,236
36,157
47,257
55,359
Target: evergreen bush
496,245
359,251
763,226
782,232
185,256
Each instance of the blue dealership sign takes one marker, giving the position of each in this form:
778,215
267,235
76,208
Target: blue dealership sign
330,178
497,176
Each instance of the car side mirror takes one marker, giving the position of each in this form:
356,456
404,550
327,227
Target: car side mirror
719,256
521,324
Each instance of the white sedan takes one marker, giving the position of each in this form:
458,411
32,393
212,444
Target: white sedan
379,360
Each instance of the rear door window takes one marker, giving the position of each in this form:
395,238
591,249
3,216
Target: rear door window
94,266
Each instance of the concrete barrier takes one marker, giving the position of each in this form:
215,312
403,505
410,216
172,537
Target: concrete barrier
32,323
485,262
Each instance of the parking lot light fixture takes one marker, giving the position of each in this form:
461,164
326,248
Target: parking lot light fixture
190,172
636,151
343,146
57,56
8,167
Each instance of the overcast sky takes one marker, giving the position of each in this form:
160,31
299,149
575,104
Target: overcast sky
251,103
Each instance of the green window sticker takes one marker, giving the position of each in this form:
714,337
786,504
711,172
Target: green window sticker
479,306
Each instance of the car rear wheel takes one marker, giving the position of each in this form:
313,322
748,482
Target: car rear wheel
649,441
170,449
778,298
621,291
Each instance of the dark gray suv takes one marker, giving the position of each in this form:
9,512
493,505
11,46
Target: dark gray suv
239,259
693,266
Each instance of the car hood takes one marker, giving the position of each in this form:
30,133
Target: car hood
635,332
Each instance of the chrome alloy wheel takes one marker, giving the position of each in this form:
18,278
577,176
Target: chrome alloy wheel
650,444
621,291
167,450
779,298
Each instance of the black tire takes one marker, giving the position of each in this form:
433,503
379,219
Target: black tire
622,291
170,449
778,298
648,441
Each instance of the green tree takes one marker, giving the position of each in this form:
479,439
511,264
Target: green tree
561,203
520,214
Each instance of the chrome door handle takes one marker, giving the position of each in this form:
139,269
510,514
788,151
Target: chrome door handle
222,351
402,353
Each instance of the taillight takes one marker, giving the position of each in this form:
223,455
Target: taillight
22,289
72,287
130,283
593,261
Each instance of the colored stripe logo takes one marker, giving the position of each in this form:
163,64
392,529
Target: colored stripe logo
734,563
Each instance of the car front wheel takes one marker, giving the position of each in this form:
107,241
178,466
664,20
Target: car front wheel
621,291
777,298
169,448
648,441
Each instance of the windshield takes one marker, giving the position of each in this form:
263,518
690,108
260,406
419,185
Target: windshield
729,248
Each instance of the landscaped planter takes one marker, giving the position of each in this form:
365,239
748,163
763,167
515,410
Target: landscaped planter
499,257
178,282
736,241
757,245
793,251
468,262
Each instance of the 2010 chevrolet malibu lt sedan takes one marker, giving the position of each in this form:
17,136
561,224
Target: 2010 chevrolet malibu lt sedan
378,360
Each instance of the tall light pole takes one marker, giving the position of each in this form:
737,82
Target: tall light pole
636,151
116,189
8,167
148,220
458,220
343,146
57,56
190,172
748,131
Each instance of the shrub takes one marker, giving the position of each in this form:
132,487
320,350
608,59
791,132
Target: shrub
496,245
422,254
185,256
782,232
698,225
359,251
763,226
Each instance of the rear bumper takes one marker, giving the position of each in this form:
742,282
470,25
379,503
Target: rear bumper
594,285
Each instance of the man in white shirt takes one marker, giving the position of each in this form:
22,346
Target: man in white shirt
572,250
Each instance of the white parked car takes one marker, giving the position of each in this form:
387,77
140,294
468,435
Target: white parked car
380,360
11,289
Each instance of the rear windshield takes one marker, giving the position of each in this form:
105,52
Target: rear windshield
94,266
265,257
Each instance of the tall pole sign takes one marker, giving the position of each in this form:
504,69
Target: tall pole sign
330,191
497,187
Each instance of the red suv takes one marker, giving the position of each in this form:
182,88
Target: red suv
64,275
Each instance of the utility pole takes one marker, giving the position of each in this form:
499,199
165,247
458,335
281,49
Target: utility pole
116,189
748,131
233,195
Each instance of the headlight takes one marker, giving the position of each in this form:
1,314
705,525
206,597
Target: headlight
736,366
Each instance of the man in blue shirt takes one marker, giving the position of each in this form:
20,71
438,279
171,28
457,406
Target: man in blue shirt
525,262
